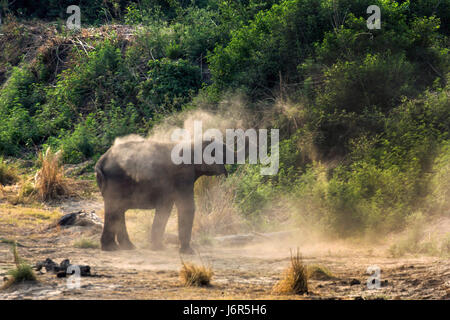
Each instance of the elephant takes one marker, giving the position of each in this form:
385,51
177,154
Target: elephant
140,174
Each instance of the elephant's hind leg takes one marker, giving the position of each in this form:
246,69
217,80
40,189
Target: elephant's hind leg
122,234
162,214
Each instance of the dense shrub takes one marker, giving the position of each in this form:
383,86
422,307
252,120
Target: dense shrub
274,43
170,85
19,99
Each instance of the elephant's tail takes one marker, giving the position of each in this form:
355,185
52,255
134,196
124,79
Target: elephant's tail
101,181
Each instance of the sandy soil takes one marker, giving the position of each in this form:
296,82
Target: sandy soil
239,272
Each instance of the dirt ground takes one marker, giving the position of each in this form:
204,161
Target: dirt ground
247,272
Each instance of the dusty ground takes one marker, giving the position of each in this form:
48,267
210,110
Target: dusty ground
239,272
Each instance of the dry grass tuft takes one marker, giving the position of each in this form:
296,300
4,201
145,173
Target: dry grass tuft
8,174
192,275
295,279
86,244
22,272
50,182
319,272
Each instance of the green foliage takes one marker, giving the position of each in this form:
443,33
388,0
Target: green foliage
375,82
56,9
101,91
197,33
255,191
385,178
274,43
19,101
438,8
81,143
144,12
169,85
23,272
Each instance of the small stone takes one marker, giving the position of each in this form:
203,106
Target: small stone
64,264
61,274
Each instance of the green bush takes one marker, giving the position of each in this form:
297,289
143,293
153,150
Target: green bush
19,100
169,85
376,82
82,143
56,9
273,43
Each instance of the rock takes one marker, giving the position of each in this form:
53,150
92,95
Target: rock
65,264
61,274
48,264
354,282
61,269
81,218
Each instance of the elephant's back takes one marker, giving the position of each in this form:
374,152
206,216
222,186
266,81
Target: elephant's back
142,160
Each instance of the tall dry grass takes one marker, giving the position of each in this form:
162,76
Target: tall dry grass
215,211
50,182
295,278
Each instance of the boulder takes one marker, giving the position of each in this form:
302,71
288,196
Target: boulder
80,218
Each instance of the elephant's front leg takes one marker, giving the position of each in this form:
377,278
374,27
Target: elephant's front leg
110,228
186,209
162,214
